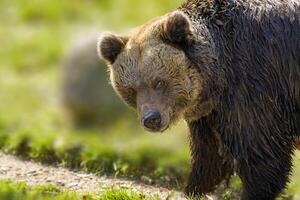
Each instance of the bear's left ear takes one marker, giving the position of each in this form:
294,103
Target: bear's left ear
177,28
110,46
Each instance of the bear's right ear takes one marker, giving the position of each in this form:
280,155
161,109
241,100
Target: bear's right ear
110,46
177,28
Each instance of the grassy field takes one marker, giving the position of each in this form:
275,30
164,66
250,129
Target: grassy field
20,191
34,127
34,36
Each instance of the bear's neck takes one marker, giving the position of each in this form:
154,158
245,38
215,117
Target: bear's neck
208,19
198,111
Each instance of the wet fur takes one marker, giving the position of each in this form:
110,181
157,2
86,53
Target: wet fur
256,110
232,70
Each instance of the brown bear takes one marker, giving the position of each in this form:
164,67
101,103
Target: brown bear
231,69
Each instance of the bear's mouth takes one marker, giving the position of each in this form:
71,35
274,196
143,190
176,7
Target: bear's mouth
156,130
164,129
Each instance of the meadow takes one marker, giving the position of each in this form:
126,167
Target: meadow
21,191
34,37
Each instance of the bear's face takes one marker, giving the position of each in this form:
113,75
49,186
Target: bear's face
151,72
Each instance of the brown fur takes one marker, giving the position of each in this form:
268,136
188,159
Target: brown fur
145,60
231,70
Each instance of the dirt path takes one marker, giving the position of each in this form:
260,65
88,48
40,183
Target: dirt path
34,174
37,174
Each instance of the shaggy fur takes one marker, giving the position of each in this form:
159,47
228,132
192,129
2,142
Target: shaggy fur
231,69
257,112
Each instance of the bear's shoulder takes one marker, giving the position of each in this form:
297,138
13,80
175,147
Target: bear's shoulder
215,10
218,8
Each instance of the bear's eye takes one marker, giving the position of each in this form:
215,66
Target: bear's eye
159,84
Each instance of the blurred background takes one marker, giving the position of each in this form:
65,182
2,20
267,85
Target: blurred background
56,103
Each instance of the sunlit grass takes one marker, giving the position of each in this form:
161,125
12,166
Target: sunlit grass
34,34
20,191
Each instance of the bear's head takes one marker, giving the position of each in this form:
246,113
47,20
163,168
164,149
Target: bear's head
150,71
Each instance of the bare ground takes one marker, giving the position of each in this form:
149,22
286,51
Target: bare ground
37,174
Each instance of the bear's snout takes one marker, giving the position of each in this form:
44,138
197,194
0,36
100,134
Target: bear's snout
152,121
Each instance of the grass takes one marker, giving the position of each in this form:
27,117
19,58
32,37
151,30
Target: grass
35,34
20,191
34,37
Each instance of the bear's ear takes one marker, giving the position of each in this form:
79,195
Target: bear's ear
110,46
177,28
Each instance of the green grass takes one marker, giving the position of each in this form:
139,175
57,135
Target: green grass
34,36
20,191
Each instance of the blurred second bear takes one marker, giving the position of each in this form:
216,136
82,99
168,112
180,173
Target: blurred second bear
86,95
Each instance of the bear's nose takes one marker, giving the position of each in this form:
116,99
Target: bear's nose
152,121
